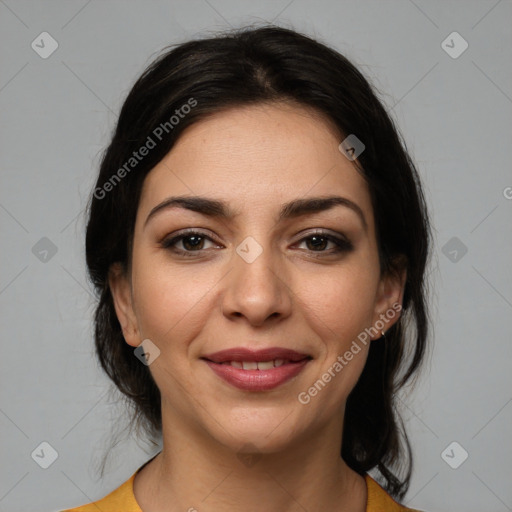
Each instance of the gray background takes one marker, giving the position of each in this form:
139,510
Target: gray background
57,114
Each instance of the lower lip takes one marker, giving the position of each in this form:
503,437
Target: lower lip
257,380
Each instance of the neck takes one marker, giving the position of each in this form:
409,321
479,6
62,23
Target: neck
195,472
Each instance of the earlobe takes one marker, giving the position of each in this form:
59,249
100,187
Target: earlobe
121,295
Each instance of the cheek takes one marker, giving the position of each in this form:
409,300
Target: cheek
168,301
341,311
341,302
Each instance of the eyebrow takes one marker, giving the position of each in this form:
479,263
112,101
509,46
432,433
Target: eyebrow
219,209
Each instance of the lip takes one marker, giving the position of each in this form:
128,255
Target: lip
257,380
244,354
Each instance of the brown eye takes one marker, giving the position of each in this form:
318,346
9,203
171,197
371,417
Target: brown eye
191,241
319,241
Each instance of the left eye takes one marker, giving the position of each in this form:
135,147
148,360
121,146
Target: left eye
318,241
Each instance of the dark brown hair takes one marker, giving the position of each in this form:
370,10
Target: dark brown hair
249,66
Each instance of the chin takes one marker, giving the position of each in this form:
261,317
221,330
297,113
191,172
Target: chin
258,433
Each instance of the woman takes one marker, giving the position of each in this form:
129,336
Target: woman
258,237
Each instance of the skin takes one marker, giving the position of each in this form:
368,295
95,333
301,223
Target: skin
293,295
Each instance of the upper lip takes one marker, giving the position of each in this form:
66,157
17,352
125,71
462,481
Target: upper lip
242,354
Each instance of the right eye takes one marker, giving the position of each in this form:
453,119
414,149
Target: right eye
192,242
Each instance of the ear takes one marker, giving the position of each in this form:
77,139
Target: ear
388,304
120,288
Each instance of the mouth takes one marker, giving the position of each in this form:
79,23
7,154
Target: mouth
241,355
257,370
259,365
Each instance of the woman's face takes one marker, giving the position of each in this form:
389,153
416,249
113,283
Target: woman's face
258,279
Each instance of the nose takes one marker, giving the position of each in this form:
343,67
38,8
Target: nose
258,286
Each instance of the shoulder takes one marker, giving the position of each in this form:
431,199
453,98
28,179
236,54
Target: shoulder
121,498
380,501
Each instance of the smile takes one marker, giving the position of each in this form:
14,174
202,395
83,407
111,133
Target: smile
257,370
257,376
257,365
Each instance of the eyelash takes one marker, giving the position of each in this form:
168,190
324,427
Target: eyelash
341,244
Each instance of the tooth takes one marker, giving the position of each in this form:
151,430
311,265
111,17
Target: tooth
265,365
253,365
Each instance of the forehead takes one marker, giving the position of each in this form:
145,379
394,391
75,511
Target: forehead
257,157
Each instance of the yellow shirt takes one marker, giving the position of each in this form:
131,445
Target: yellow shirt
123,500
